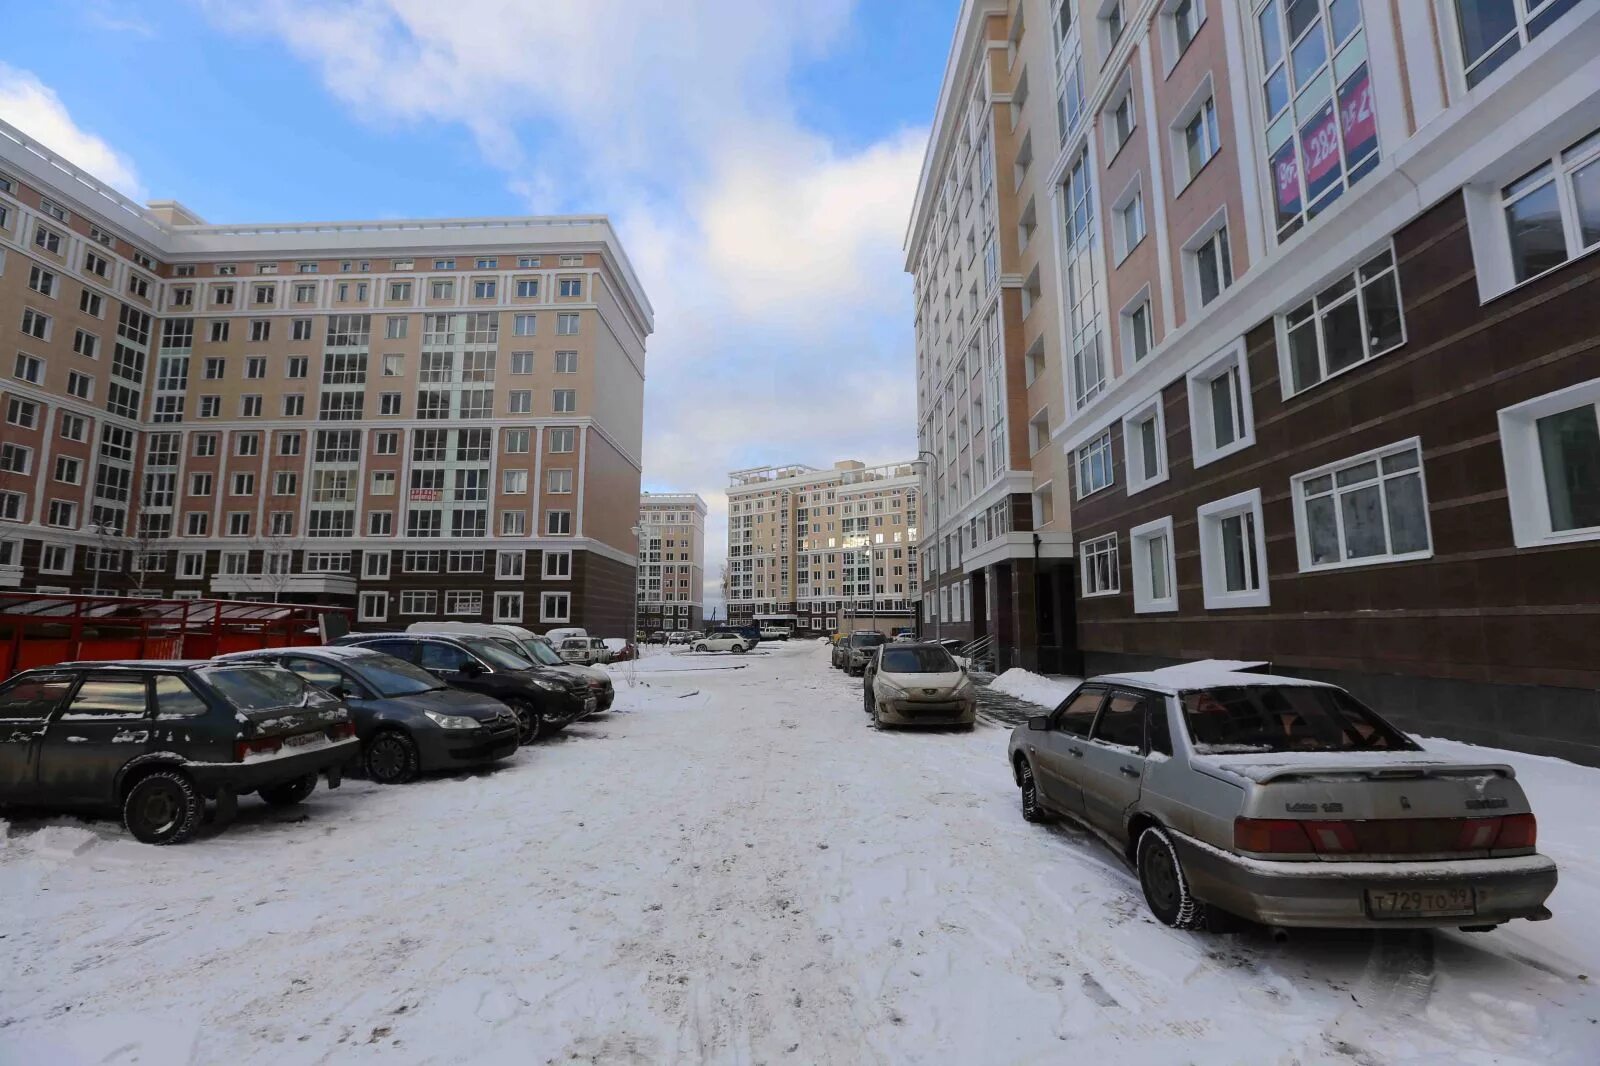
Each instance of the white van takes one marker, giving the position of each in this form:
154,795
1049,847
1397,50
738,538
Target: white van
530,646
556,636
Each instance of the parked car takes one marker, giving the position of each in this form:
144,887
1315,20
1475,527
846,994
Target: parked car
621,650
583,650
556,636
408,721
158,739
851,653
724,640
1281,801
681,636
658,637
532,647
917,684
544,700
774,632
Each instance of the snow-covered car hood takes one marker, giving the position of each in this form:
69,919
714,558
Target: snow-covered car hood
588,673
1266,765
917,683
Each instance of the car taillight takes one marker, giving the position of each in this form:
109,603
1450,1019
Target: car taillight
243,749
1267,836
342,731
1331,838
1478,834
1517,831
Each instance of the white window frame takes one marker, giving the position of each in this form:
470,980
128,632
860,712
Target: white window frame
1183,174
503,612
1171,51
547,557
1132,193
1212,571
510,564
1116,139
1139,546
1084,456
1133,445
1198,382
1524,465
1358,294
367,614
1302,524
1127,331
1200,239
1089,552
547,614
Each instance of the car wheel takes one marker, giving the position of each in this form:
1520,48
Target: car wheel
391,758
739,649
532,725
290,792
699,647
163,808
1031,810
1166,890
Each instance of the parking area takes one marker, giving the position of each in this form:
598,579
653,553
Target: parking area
731,866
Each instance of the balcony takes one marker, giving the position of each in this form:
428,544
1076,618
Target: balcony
270,585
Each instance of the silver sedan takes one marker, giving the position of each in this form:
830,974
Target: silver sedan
1281,801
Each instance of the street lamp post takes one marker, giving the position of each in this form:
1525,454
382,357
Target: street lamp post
933,481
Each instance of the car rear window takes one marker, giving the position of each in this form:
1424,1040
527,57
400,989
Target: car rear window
1268,718
867,640
256,688
917,661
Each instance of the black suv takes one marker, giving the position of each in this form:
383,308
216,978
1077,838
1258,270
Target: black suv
159,738
544,699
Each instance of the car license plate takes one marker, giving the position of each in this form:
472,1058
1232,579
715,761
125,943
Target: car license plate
301,740
589,704
1421,902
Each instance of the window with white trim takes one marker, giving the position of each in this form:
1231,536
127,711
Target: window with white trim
510,564
1492,31
508,607
1233,552
557,565
1120,119
1208,261
555,607
1138,335
467,602
558,523
1127,221
1180,22
1197,139
1093,462
1221,418
419,601
1551,448
1355,319
1098,562
1144,445
374,607
1552,213
1370,508
1153,561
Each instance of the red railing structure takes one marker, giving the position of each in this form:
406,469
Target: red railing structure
37,630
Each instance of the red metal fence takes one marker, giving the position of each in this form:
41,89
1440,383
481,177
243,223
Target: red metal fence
37,630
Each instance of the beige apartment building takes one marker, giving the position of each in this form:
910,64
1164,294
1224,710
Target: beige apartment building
821,551
1294,298
672,561
418,419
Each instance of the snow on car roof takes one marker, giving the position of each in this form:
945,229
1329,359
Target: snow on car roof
1210,673
334,651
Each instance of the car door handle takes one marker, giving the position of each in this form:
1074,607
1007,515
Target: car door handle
1127,771
1077,752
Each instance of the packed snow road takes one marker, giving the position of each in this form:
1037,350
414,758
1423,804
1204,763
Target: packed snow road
730,867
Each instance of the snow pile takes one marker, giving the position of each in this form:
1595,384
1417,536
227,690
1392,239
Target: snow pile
1035,688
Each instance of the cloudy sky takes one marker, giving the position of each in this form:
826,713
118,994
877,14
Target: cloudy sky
758,160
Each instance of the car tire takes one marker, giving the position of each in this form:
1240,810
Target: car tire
700,647
739,649
1032,810
1166,889
531,724
164,807
289,793
391,758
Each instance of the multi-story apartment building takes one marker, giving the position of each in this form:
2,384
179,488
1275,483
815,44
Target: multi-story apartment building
821,551
1335,400
417,419
672,561
990,392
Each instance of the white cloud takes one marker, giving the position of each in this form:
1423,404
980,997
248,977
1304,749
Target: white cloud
34,108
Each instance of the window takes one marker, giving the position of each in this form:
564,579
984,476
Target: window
11,508
91,303
563,440
508,607
528,288
219,331
62,513
250,406
1233,552
289,443
483,289
558,523
75,427
564,401
413,601
517,441
510,565
183,297
374,606
521,363
1128,221
294,405
1221,420
555,607
1372,508
514,482
513,523
1201,141
566,362
1552,213
400,292
29,368
48,239
69,471
1210,262
1183,20
521,402
527,262
260,329
300,330
1492,31
255,367
395,327
285,483
560,480
441,289
571,286
15,459
1137,338
210,406
35,324
1111,22
463,602
386,443
1102,575
1355,319
1093,462
524,325
1144,441
43,281
1551,448
567,324
205,445
247,444
1120,123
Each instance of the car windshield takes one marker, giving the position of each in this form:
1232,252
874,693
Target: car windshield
539,652
917,661
491,652
257,688
867,640
388,676
1280,718
515,648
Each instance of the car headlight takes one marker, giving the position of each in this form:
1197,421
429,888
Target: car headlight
966,687
547,686
891,690
452,721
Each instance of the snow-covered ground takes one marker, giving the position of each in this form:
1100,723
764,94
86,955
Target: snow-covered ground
731,867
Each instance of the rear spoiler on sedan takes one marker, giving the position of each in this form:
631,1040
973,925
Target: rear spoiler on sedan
1264,773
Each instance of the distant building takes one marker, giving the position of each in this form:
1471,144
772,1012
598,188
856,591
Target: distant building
823,550
672,561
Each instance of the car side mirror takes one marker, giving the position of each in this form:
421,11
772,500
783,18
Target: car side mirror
342,691
1039,723
471,668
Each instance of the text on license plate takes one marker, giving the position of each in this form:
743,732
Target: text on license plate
1420,902
589,704
301,740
